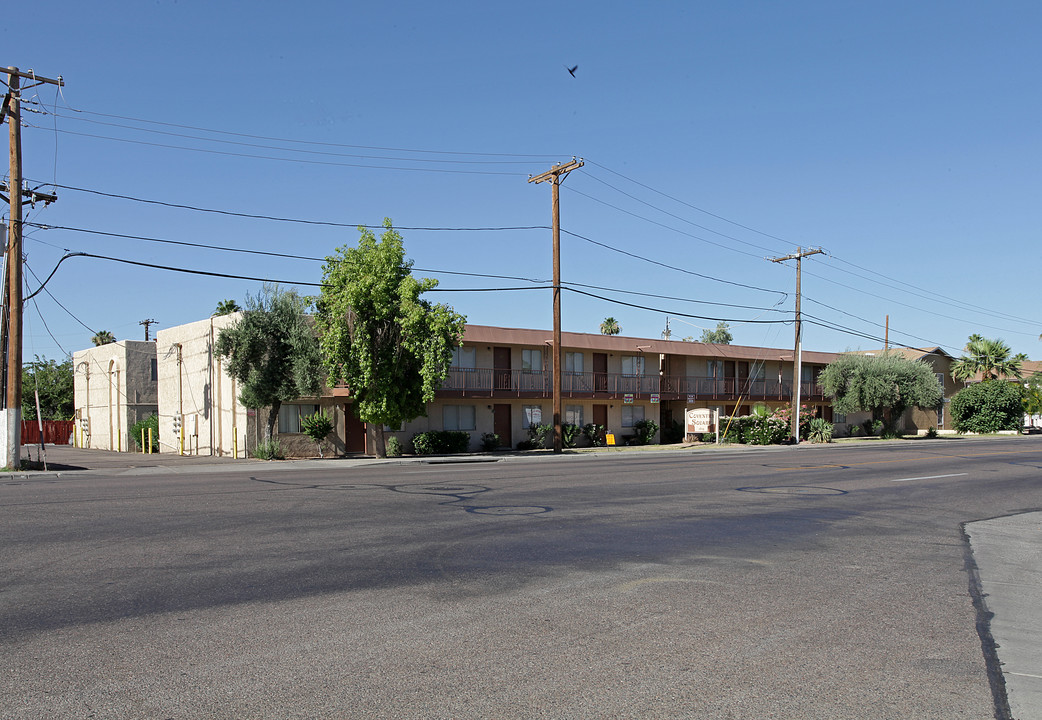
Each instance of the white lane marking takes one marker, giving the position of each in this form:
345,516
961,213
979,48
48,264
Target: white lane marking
1007,672
930,477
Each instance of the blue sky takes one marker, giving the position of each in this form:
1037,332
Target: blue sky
902,138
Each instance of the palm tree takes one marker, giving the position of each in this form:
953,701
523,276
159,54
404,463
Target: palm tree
991,359
103,337
226,307
610,326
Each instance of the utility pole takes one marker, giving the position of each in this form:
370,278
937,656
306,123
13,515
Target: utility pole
554,176
146,323
12,109
797,360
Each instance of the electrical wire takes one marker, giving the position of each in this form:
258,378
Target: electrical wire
255,156
301,221
672,267
679,314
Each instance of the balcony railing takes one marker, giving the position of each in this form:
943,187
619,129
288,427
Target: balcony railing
488,382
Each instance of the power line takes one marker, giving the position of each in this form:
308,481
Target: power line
672,267
304,142
680,314
292,220
255,156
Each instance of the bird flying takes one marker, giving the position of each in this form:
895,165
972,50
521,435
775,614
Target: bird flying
571,70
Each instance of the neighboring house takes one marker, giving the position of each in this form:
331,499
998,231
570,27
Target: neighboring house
500,382
115,386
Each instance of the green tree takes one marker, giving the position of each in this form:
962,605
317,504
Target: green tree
610,326
55,382
226,307
885,385
103,337
389,345
720,336
988,406
1033,395
272,352
991,359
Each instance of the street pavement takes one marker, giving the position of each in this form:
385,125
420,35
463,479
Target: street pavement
1005,555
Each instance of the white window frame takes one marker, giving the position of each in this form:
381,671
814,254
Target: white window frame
629,415
573,362
464,358
531,360
458,417
290,415
635,363
531,416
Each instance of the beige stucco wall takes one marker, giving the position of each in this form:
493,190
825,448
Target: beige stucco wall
114,387
193,384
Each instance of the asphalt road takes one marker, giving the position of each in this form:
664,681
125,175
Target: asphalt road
811,582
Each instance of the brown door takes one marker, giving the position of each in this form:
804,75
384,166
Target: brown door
729,377
600,374
501,363
600,417
354,442
501,425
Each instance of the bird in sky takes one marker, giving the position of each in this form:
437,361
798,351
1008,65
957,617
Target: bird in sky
571,70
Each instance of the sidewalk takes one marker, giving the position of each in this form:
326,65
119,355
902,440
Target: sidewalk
1008,555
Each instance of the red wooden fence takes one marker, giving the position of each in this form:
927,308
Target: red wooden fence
55,432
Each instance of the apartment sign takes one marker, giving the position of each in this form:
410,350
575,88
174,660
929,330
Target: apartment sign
654,397
627,399
698,420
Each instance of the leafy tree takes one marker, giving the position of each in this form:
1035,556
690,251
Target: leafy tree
610,326
272,352
990,358
103,337
56,389
226,307
391,347
720,336
1033,395
317,427
885,385
988,406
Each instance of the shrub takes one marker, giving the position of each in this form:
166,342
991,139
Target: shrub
594,434
770,430
152,421
645,430
856,431
489,441
316,427
820,431
393,447
708,437
528,444
785,414
931,433
268,450
441,442
988,407
569,434
872,427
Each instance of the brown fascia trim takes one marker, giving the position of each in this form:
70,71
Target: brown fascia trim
491,335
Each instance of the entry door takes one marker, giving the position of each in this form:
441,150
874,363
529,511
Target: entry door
354,442
600,417
600,374
501,363
501,424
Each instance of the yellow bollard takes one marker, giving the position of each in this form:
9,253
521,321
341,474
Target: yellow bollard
235,442
150,441
143,441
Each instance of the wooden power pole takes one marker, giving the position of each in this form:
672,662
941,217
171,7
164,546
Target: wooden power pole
554,176
797,360
147,323
12,110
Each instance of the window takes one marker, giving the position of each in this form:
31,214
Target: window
531,416
573,414
757,372
715,368
532,360
155,370
290,415
457,417
631,415
632,364
573,362
839,418
464,358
